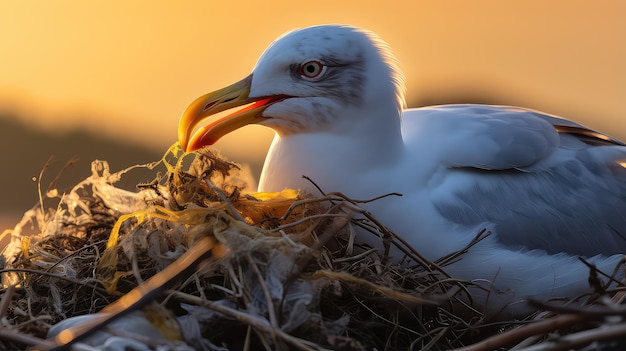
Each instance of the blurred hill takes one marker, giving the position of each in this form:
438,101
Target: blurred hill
25,152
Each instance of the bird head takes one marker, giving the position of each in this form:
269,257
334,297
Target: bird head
310,80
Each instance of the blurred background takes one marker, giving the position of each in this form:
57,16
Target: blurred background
108,80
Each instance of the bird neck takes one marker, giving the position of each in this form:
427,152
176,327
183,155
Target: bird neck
334,158
375,133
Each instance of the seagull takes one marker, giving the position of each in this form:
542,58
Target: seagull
549,190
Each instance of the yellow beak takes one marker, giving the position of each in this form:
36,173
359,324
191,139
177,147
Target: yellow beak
221,100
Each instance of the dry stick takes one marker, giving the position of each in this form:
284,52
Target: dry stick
438,334
263,340
345,197
459,321
299,265
417,257
11,334
387,234
306,219
381,317
533,339
355,257
396,295
45,167
581,339
134,264
274,331
205,249
614,308
339,197
589,311
602,308
328,214
518,334
220,193
447,259
611,277
287,238
298,203
235,281
254,321
55,275
406,248
6,300
75,253
247,340
268,298
426,263
16,336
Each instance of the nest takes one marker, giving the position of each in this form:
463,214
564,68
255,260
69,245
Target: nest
209,267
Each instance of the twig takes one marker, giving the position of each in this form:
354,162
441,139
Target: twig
220,193
54,275
203,249
306,219
515,335
13,335
251,320
16,336
355,257
594,271
575,341
593,311
345,197
268,297
395,294
448,259
368,307
6,300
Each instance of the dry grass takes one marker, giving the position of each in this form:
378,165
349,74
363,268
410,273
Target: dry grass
249,272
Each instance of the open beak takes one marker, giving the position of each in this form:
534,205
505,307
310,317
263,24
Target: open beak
221,100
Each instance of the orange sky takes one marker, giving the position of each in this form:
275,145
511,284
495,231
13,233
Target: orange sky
132,67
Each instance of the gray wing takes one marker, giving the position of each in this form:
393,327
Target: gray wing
560,189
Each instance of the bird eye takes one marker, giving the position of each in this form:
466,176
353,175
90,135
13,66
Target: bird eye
312,69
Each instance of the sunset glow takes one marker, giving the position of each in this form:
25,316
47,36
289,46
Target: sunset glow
135,63
128,70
